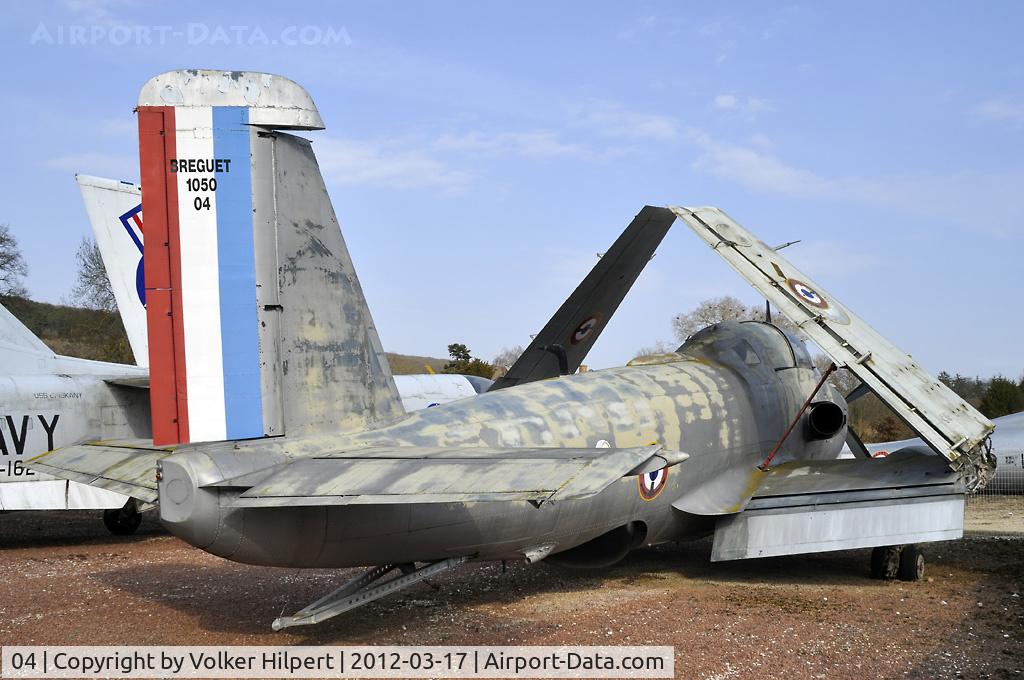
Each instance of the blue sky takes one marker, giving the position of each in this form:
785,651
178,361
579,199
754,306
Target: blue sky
479,155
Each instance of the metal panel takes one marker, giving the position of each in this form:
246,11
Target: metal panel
811,529
334,376
268,290
949,424
277,102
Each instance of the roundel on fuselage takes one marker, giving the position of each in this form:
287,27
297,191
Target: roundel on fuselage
650,484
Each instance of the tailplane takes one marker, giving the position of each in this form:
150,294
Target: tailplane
20,350
257,323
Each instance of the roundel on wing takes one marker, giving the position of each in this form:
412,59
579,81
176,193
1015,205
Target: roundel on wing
650,484
807,294
584,330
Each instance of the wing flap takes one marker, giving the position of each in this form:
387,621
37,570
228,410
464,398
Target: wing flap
950,425
437,475
814,506
907,473
124,468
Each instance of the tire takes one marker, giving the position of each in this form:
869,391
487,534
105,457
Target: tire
911,564
121,522
885,562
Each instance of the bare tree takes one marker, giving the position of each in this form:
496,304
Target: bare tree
659,347
92,288
727,308
507,356
12,265
710,312
843,380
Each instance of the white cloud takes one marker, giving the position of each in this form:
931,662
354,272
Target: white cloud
748,106
1001,109
387,164
535,144
96,11
119,127
641,25
725,101
612,120
755,169
984,201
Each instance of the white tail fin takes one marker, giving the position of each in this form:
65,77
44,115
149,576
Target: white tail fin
257,322
115,211
20,349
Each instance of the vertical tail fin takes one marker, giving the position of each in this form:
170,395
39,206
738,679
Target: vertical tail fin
257,322
115,212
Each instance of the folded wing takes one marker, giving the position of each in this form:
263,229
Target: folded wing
949,425
565,340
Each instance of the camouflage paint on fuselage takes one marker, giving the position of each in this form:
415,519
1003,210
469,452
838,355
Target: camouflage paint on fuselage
724,409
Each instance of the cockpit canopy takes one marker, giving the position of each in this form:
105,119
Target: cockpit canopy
748,346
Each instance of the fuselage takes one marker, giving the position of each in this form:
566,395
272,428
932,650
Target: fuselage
48,402
725,400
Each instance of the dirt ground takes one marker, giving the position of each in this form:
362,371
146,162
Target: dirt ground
995,514
66,581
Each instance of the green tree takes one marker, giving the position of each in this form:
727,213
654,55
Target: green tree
1002,397
463,362
459,352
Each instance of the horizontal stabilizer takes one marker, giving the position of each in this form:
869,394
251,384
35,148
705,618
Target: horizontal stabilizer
138,382
15,336
124,468
443,475
949,425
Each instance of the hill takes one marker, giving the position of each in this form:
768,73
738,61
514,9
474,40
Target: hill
73,331
99,335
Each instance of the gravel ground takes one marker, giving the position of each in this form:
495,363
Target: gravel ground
68,582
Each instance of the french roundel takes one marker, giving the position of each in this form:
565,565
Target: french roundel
651,483
585,329
807,294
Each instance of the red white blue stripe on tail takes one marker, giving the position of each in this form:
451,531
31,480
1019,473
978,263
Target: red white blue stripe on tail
200,287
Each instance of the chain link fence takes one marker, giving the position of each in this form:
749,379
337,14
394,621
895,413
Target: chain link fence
999,507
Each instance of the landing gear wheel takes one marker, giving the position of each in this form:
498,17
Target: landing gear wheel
123,521
911,564
885,562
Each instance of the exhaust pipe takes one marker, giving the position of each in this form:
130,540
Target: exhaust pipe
824,420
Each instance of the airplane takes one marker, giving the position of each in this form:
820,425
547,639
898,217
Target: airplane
279,438
51,401
38,385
